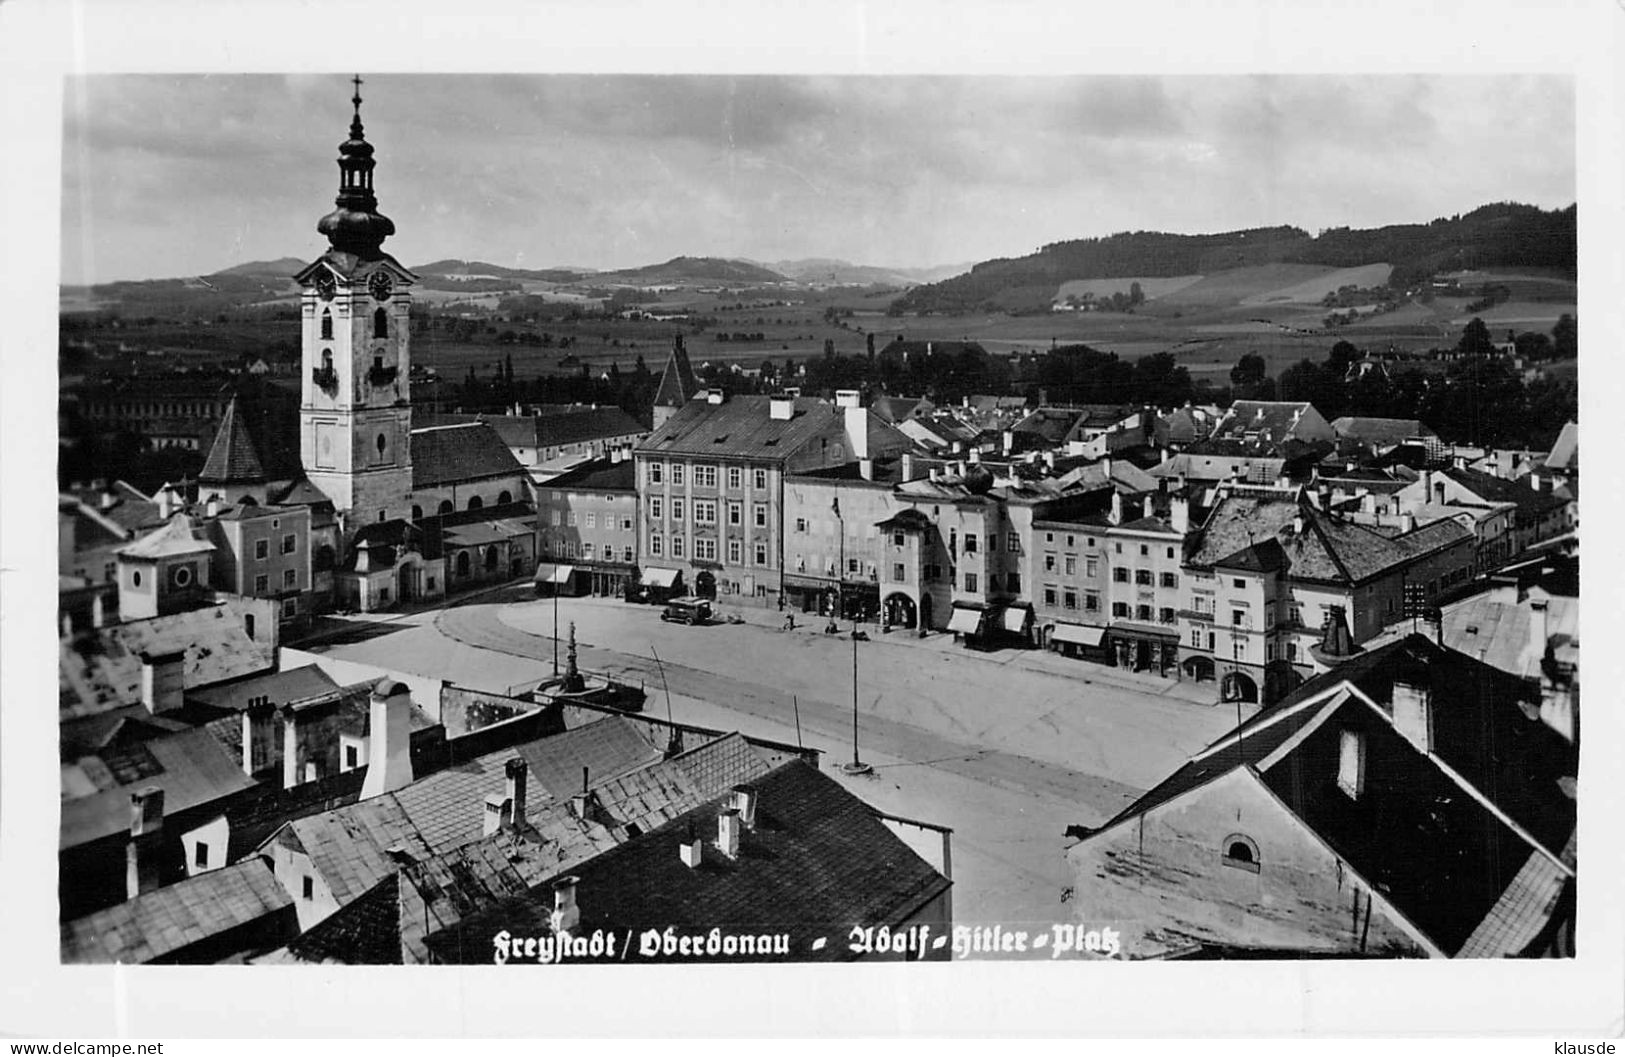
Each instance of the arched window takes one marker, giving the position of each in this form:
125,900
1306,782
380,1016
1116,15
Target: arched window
382,444
490,559
327,359
327,325
380,324
445,506
462,563
475,502
505,498
417,512
1241,851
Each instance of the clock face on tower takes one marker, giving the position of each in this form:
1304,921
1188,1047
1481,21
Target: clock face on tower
381,285
325,286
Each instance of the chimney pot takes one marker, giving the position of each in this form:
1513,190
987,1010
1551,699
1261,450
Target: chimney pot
745,797
514,775
389,739
566,915
728,832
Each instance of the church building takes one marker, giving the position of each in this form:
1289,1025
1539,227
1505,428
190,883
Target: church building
394,514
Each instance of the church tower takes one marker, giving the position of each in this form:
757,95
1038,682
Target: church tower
356,411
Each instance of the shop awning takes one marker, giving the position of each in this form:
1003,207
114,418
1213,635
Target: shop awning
1016,619
659,577
965,621
553,574
1083,636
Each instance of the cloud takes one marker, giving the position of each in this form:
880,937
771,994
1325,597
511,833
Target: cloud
168,175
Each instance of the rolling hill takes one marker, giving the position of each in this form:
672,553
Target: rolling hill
1504,235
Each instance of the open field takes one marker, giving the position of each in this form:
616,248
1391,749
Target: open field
1151,287
1311,291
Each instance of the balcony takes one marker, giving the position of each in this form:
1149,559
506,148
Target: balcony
1196,614
325,378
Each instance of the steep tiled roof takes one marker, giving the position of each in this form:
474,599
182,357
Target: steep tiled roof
599,474
817,863
101,669
677,386
164,922
121,504
1379,431
1419,831
1274,420
450,454
190,767
742,427
1565,453
588,424
232,457
1500,490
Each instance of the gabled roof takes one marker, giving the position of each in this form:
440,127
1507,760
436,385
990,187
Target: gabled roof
444,455
1273,420
124,506
189,766
1383,432
1442,835
100,670
175,539
279,688
1494,489
164,922
232,458
817,861
599,475
1565,453
742,427
572,425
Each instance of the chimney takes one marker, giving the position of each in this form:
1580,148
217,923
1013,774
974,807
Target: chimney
166,503
514,774
848,398
714,396
212,509
290,748
728,832
162,681
1298,523
581,802
256,738
498,813
1179,514
389,739
866,469
566,915
109,500
908,466
745,801
857,430
1413,714
141,873
692,849
781,408
1008,441
975,456
1534,482
1539,627
1116,515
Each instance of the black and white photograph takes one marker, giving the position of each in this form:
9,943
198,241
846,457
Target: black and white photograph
1064,522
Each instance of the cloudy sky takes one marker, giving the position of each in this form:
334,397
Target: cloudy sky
167,175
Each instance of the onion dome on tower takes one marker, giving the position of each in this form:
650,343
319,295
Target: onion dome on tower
356,226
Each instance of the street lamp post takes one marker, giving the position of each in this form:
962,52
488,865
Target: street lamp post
555,621
857,766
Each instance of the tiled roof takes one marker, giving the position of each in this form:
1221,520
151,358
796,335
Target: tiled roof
129,509
572,425
166,921
742,427
599,474
896,408
677,386
232,457
817,863
279,688
176,538
189,766
1379,431
1500,490
607,748
1274,420
1565,453
1252,468
100,670
452,454
1417,831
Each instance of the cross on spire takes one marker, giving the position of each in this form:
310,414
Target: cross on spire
356,99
